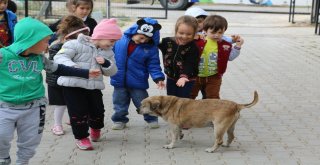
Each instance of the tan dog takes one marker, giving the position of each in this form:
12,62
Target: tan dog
178,112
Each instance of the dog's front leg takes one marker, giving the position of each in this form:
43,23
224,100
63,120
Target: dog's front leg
175,134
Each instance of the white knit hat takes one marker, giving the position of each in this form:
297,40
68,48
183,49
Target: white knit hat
196,12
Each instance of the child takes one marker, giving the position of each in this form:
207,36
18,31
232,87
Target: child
69,28
7,22
215,55
137,56
181,57
84,97
12,6
22,94
201,15
81,9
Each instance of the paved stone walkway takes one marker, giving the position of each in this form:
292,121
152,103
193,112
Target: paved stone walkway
279,60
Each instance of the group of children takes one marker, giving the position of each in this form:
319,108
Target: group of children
194,59
82,10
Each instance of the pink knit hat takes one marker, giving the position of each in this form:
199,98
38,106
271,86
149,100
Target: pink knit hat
107,29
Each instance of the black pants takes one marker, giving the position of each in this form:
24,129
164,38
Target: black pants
85,108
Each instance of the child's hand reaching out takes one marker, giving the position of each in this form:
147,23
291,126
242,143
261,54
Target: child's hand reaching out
235,37
182,81
238,40
161,85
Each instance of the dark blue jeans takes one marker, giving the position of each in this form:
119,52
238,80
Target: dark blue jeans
121,101
174,90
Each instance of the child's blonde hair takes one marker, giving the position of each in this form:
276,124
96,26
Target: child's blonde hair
188,20
70,24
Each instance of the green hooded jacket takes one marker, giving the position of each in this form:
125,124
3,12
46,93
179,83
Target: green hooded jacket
20,76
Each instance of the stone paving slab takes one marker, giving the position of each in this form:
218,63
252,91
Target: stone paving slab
279,60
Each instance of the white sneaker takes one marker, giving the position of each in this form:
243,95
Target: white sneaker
118,126
153,125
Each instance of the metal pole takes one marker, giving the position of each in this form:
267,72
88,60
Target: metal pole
317,28
293,10
312,17
108,9
290,10
166,12
26,8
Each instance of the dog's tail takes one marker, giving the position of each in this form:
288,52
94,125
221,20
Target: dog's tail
254,102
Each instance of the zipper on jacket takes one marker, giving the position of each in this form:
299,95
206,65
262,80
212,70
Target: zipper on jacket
173,62
126,68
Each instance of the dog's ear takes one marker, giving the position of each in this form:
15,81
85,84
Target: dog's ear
155,105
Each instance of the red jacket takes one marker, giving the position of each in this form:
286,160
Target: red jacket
224,49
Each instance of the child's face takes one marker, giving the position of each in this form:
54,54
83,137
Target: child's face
140,39
3,5
216,36
200,21
184,34
82,11
38,48
104,43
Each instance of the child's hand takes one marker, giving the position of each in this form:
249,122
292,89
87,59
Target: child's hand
239,42
235,38
199,36
161,85
182,81
100,60
93,73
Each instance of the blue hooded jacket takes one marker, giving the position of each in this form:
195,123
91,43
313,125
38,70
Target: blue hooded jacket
134,70
11,20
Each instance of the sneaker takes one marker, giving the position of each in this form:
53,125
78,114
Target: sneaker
153,125
57,130
84,144
118,126
5,161
95,134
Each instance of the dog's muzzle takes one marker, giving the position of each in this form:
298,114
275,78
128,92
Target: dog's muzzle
138,110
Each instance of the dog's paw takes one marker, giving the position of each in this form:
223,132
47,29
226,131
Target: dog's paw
169,146
227,145
210,150
181,136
